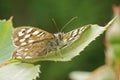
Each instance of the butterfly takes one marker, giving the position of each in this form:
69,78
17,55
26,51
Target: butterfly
33,42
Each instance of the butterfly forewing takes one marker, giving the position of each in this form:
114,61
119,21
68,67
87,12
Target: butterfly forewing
27,35
74,34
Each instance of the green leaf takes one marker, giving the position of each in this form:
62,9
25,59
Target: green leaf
69,52
6,46
19,71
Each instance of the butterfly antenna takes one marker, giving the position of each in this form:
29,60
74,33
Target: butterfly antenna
68,23
55,24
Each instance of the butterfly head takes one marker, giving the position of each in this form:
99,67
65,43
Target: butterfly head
59,38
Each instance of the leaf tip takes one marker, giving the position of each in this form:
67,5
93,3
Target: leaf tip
10,19
112,21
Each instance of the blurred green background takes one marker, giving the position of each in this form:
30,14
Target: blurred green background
40,12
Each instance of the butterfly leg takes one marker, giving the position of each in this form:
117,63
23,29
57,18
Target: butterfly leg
58,52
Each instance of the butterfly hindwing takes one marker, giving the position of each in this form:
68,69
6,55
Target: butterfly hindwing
32,50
